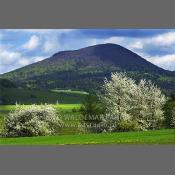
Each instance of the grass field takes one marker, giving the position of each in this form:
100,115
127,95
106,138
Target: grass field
66,107
70,135
5,109
147,137
27,96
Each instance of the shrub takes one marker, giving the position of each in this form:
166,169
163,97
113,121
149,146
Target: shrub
173,119
74,110
33,120
127,125
126,100
123,125
92,109
169,109
92,106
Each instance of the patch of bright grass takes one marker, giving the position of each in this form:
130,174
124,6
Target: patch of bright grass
146,137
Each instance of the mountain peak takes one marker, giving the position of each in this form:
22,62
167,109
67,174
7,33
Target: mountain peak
85,68
91,48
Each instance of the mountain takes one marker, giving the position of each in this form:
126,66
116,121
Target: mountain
5,83
86,68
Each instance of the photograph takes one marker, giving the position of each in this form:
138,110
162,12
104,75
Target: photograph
87,86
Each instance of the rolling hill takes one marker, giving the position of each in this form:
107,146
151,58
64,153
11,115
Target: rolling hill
85,69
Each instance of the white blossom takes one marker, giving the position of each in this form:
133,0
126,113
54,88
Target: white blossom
127,100
32,120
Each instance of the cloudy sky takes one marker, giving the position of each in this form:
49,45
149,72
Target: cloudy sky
20,47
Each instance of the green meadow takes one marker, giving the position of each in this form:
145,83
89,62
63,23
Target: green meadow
67,103
71,135
146,137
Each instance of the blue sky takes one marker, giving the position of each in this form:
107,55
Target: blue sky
20,47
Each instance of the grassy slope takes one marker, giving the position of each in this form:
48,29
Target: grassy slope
26,96
148,137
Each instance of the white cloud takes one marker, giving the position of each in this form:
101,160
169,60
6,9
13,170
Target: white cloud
167,61
7,58
136,45
23,61
51,45
164,39
11,60
32,44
